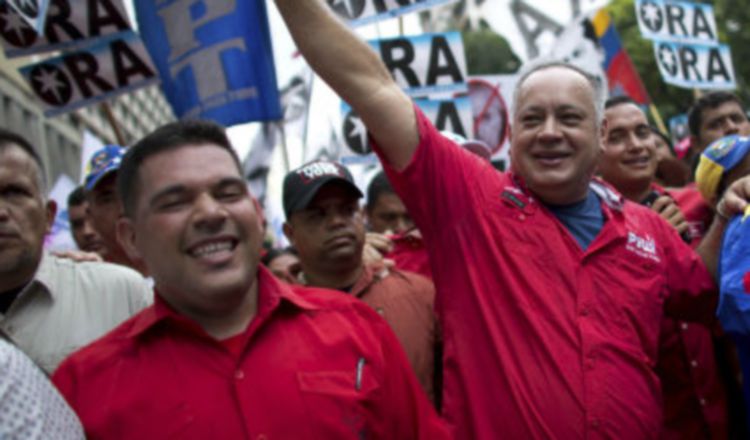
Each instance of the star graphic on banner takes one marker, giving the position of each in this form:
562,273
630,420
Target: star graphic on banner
667,57
14,23
351,10
356,134
29,8
651,15
46,79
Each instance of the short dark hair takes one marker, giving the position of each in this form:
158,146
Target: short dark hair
165,138
708,101
379,185
8,138
614,101
77,197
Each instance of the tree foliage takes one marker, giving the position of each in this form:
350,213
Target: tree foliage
731,20
487,53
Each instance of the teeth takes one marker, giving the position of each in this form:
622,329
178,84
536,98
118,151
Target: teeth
212,248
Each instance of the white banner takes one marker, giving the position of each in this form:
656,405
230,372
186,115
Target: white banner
69,23
361,12
677,21
695,66
426,64
111,66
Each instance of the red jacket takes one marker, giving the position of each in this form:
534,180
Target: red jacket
315,365
541,338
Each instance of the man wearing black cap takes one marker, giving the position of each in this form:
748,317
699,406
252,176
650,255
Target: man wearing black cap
325,225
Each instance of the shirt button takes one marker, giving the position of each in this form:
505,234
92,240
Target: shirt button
239,374
261,437
694,363
702,401
521,217
684,326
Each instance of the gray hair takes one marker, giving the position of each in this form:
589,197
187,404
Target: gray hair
598,84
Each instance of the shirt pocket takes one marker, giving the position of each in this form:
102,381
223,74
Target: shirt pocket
340,401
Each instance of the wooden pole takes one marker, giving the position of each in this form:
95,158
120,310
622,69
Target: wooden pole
285,149
657,118
113,122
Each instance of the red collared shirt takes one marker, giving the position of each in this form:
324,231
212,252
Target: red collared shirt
410,254
406,301
315,365
541,338
695,405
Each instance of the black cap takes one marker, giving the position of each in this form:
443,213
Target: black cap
301,185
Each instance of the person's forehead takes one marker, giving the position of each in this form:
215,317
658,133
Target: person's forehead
627,113
16,162
720,111
567,83
388,200
189,163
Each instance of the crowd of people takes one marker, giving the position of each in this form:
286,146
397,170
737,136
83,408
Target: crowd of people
573,296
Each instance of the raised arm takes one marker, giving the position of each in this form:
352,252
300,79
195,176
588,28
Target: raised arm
356,73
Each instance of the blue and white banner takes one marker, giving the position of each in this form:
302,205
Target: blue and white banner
214,58
70,24
678,21
695,66
425,64
361,12
109,67
33,12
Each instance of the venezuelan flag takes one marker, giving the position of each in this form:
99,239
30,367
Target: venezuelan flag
621,74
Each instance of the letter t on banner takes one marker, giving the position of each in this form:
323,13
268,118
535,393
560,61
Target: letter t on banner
214,58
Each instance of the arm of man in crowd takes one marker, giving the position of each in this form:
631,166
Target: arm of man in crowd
733,202
357,74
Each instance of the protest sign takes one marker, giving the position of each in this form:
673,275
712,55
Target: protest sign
70,23
677,21
695,66
425,64
113,65
33,12
361,12
215,61
452,115
60,237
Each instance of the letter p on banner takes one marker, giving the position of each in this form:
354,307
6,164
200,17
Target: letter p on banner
215,61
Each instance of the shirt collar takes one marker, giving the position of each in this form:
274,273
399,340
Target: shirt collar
43,278
271,294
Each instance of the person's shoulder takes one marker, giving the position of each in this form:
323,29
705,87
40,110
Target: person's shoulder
105,350
411,281
99,277
328,301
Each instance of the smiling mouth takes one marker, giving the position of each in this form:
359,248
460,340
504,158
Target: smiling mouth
638,161
213,248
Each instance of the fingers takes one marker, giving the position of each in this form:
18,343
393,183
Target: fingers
379,242
735,198
669,211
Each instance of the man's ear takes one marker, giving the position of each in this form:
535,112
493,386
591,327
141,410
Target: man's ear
126,237
288,232
50,212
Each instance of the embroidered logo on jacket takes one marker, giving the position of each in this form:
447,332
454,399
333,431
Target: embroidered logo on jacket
643,247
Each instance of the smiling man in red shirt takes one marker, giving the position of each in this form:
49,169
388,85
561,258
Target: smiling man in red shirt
550,287
227,351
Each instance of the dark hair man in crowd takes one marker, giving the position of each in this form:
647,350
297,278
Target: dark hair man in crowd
558,284
325,225
385,211
104,203
227,351
713,116
51,306
284,263
83,232
694,398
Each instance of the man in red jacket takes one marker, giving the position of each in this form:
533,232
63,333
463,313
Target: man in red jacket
227,351
545,279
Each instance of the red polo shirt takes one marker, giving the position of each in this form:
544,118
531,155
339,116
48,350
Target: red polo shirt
315,365
541,338
410,254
